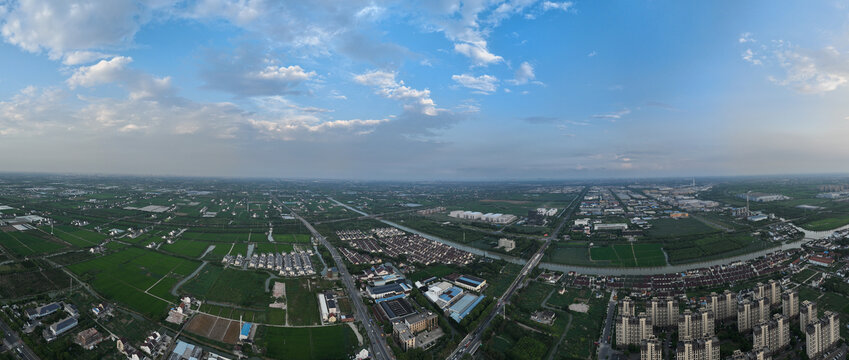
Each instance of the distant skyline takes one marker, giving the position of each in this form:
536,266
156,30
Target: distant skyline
441,89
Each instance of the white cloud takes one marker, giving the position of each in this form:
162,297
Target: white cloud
290,73
388,87
592,54
750,57
140,85
104,72
745,38
524,74
83,57
478,52
804,70
32,111
813,72
613,115
59,26
250,71
550,5
484,83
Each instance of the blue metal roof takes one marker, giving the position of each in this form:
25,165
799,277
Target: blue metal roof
246,329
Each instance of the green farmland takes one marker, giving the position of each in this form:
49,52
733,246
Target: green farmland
329,342
125,277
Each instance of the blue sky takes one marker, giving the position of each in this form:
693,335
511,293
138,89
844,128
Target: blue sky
444,89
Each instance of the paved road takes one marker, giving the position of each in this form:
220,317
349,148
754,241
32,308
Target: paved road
604,349
379,349
17,346
472,341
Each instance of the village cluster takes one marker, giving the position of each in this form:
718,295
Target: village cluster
393,243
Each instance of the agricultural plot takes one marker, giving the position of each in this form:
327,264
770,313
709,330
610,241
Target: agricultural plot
268,247
302,302
291,238
241,288
328,342
664,228
189,248
692,249
218,329
24,283
573,254
230,237
629,255
25,243
126,275
77,236
829,223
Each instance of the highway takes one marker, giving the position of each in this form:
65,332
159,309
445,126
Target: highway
16,345
379,349
472,341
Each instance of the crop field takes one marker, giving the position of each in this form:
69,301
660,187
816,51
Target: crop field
218,252
711,246
163,287
124,276
241,288
662,228
189,248
274,247
328,342
629,255
829,223
266,316
36,281
77,236
574,254
291,238
22,243
219,236
302,302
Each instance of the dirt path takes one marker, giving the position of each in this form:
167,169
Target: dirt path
565,331
356,332
186,279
